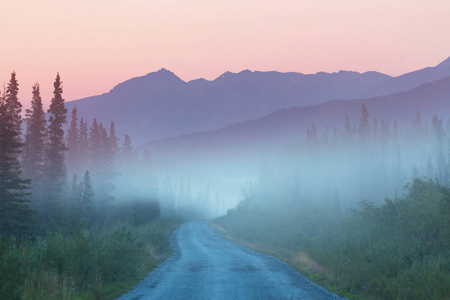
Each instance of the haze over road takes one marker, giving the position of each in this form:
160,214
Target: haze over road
205,265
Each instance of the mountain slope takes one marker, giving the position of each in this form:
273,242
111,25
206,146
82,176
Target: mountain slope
161,105
262,136
410,80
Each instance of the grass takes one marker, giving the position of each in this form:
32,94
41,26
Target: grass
398,250
90,264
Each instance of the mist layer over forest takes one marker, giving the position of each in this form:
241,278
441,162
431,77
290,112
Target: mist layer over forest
362,211
367,159
63,234
368,189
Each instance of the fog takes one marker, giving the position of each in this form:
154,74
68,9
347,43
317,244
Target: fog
335,168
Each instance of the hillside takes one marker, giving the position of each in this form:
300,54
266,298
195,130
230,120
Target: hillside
160,105
264,135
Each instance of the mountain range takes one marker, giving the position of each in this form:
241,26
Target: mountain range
161,106
263,136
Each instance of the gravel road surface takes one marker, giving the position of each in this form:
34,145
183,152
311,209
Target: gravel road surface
206,265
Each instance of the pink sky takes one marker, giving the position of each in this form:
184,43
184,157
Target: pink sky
97,44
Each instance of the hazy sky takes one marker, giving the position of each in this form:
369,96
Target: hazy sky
97,44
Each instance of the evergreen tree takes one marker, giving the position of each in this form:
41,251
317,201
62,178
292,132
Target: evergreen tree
55,169
33,156
127,148
105,165
364,127
417,124
364,184
74,214
113,141
83,145
439,134
375,128
13,105
94,143
73,144
385,133
101,164
15,213
87,194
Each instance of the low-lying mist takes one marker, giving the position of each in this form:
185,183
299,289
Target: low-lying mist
335,168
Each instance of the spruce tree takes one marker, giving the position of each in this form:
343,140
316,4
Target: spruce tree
87,194
33,156
113,141
385,137
364,127
15,213
439,134
55,169
56,146
13,105
83,144
417,124
94,144
101,165
73,144
127,148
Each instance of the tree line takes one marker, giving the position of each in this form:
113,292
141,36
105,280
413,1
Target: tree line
369,159
49,179
60,222
338,207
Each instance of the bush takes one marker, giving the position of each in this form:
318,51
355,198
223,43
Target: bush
397,250
62,267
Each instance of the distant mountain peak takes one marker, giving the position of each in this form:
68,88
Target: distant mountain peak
163,70
445,63
224,75
152,81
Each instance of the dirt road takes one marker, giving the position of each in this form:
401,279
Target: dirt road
205,265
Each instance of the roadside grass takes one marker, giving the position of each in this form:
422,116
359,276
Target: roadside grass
302,262
398,250
95,263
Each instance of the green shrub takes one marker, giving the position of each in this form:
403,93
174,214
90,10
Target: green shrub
396,250
96,262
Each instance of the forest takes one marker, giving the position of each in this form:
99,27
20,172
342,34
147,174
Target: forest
63,234
363,211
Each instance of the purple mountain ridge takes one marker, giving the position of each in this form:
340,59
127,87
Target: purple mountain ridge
160,105
263,136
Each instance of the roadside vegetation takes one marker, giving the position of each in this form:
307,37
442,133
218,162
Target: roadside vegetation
89,264
339,208
64,232
397,250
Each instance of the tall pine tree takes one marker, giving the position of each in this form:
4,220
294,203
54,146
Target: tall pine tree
364,127
33,156
83,145
15,213
113,141
12,104
73,144
55,169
